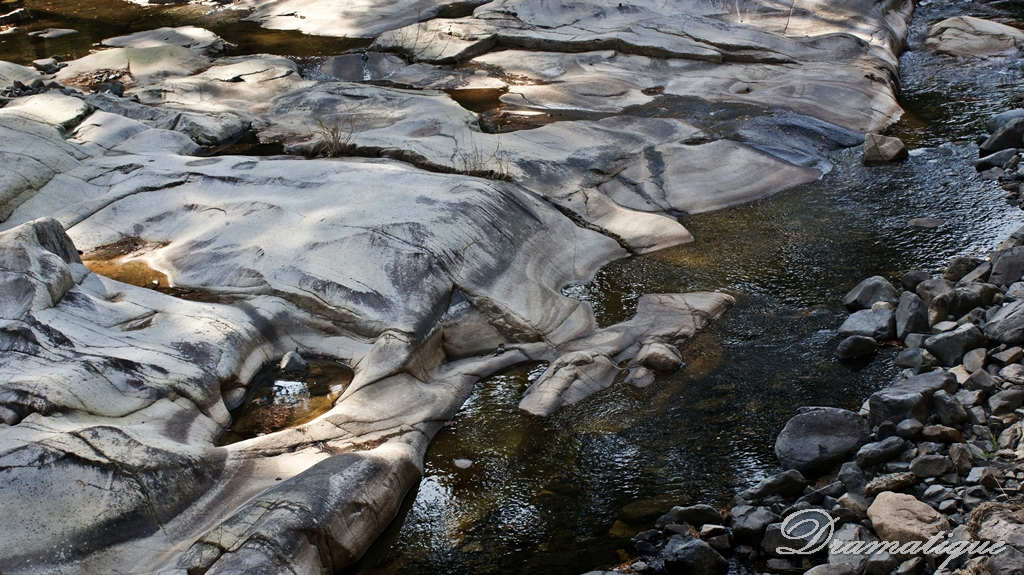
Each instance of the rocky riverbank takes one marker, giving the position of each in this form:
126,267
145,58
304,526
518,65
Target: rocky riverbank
936,456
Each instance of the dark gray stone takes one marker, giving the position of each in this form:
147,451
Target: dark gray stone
696,515
999,120
972,295
749,523
959,267
975,359
1007,356
880,451
949,348
996,159
911,315
685,555
981,380
961,457
931,465
911,279
948,408
787,483
878,324
292,362
978,274
1008,562
928,383
915,357
853,478
897,406
817,439
855,346
1007,325
1005,137
1006,401
1007,266
930,289
909,428
868,292
800,537
916,339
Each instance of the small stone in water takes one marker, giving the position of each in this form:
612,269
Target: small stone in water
463,463
293,362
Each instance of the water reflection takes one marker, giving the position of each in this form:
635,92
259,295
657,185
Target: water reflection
276,400
97,20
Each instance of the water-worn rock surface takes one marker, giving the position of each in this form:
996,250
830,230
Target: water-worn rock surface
434,258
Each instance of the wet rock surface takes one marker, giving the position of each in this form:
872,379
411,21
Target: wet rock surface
456,279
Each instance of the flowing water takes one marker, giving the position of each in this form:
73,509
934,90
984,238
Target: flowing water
564,494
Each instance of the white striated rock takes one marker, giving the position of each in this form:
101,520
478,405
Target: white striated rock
970,36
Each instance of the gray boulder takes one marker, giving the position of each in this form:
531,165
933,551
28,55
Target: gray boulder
1007,325
878,324
911,315
1006,137
868,292
799,537
880,149
1007,266
931,465
975,359
995,160
972,295
896,405
685,555
749,523
914,357
949,409
935,287
880,451
1006,401
855,346
951,346
982,381
787,483
696,515
819,438
911,279
999,120
959,267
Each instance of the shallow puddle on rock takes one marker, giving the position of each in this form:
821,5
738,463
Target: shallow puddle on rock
114,261
478,100
97,20
117,261
276,400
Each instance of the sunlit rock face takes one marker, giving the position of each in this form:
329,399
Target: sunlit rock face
434,255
